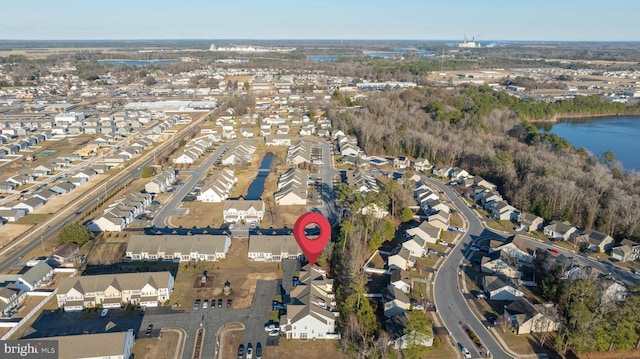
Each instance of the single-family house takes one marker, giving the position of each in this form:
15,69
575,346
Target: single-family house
627,250
529,222
395,301
401,258
504,211
66,253
500,288
527,318
400,279
426,231
559,230
35,277
12,215
422,164
29,204
595,241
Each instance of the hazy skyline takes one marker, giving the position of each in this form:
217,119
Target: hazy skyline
545,20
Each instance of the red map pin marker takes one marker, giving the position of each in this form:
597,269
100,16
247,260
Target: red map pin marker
312,247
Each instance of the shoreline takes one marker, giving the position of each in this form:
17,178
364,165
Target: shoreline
558,118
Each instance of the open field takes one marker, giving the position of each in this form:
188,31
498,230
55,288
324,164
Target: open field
241,272
153,348
200,215
308,349
108,248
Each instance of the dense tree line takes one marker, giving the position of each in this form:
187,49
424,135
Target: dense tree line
489,134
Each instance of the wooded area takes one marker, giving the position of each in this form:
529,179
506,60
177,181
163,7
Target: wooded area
488,133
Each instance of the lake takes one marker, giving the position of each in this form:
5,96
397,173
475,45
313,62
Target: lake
134,62
254,192
619,134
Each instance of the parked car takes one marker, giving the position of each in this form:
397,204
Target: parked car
474,248
196,304
249,351
241,351
219,302
213,303
274,333
258,350
205,304
465,352
554,251
229,303
444,243
104,313
480,295
271,326
149,330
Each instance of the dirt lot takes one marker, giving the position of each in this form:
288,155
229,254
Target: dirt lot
108,248
11,231
241,272
308,349
153,348
230,338
200,215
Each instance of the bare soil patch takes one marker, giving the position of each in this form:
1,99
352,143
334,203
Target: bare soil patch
153,348
230,338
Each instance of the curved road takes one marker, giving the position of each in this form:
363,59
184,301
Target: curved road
447,295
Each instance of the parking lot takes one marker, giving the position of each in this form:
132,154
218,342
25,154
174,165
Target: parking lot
53,323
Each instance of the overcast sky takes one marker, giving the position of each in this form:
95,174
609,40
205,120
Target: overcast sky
549,20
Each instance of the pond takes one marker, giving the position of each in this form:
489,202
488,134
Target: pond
257,186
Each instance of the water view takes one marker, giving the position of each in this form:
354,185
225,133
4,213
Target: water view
135,62
618,134
254,192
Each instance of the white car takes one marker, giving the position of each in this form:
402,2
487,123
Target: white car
444,243
274,333
462,230
104,312
466,353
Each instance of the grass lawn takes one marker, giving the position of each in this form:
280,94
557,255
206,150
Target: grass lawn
155,348
505,226
34,218
456,221
308,349
241,272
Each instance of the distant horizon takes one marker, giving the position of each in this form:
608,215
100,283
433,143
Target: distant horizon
212,41
410,20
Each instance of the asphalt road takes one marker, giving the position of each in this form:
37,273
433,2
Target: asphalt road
60,220
14,253
448,297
